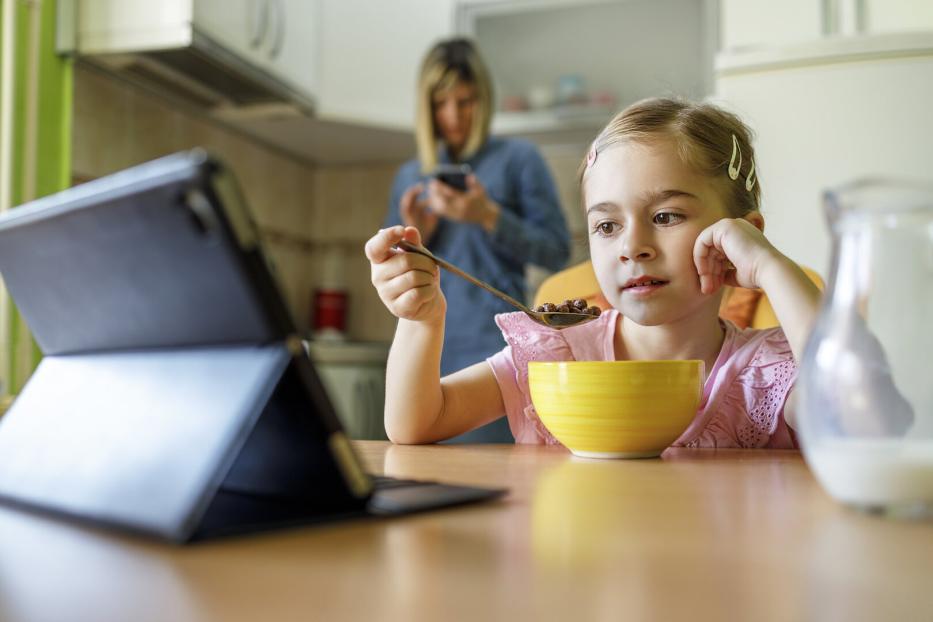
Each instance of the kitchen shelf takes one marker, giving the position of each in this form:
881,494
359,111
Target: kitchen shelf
560,118
600,46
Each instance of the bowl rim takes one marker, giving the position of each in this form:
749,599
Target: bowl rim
647,362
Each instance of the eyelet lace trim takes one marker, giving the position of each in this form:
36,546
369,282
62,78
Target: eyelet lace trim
763,388
531,342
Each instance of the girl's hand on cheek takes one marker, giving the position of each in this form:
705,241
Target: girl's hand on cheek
731,252
408,283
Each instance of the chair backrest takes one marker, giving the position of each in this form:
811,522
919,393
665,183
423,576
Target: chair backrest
744,307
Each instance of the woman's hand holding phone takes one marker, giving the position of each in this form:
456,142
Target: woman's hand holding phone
471,205
453,175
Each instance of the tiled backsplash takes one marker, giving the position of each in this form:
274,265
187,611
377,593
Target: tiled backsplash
117,125
316,216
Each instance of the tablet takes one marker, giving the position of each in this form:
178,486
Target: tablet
174,397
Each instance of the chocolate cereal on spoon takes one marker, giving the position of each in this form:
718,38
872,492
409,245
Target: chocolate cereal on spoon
568,313
575,306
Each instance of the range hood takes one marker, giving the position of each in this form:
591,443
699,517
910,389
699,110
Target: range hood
196,51
250,65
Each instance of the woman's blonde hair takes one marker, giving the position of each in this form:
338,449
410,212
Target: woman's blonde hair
449,62
703,134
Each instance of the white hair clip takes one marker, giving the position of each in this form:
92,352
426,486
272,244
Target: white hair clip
733,167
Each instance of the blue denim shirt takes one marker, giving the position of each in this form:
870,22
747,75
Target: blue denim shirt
531,229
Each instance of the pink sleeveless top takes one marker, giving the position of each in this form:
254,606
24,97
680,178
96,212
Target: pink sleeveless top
743,398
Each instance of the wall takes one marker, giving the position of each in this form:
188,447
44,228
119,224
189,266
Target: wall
309,215
350,204
117,125
856,119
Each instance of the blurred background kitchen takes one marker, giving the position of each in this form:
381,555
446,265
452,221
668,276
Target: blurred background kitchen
311,102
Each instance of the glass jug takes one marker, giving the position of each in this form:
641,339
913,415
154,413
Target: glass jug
864,406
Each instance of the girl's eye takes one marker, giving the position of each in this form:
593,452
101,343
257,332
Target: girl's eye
667,218
605,227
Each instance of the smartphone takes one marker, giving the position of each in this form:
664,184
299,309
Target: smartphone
454,175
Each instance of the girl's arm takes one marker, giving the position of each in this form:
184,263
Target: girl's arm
794,297
421,407
756,263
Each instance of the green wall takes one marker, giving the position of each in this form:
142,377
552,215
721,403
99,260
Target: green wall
41,147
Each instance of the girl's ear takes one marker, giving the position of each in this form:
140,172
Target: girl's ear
756,219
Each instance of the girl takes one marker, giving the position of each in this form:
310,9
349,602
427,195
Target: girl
671,196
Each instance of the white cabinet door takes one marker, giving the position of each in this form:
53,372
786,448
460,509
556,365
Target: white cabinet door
358,395
370,54
240,25
278,36
354,375
292,50
750,23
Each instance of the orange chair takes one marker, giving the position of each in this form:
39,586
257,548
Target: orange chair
744,307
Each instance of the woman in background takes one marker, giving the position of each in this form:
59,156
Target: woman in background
507,217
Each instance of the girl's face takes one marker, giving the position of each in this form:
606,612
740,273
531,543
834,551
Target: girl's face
453,114
645,209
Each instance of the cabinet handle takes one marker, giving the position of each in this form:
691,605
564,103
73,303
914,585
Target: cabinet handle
276,48
258,21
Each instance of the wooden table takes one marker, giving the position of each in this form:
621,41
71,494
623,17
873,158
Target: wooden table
700,534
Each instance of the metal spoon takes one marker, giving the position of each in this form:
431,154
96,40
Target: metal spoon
551,319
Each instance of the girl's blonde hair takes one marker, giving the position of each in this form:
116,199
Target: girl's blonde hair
449,62
702,134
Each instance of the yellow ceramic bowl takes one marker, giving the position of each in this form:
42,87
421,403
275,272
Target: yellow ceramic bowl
616,409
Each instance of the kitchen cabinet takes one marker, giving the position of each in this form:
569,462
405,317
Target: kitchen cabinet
293,51
572,63
750,24
213,53
279,36
370,56
746,23
240,25
884,16
353,373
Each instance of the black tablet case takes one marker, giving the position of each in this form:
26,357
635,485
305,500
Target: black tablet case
174,398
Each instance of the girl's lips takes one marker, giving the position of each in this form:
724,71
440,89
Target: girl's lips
642,290
643,285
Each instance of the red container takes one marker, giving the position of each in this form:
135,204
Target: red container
329,311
